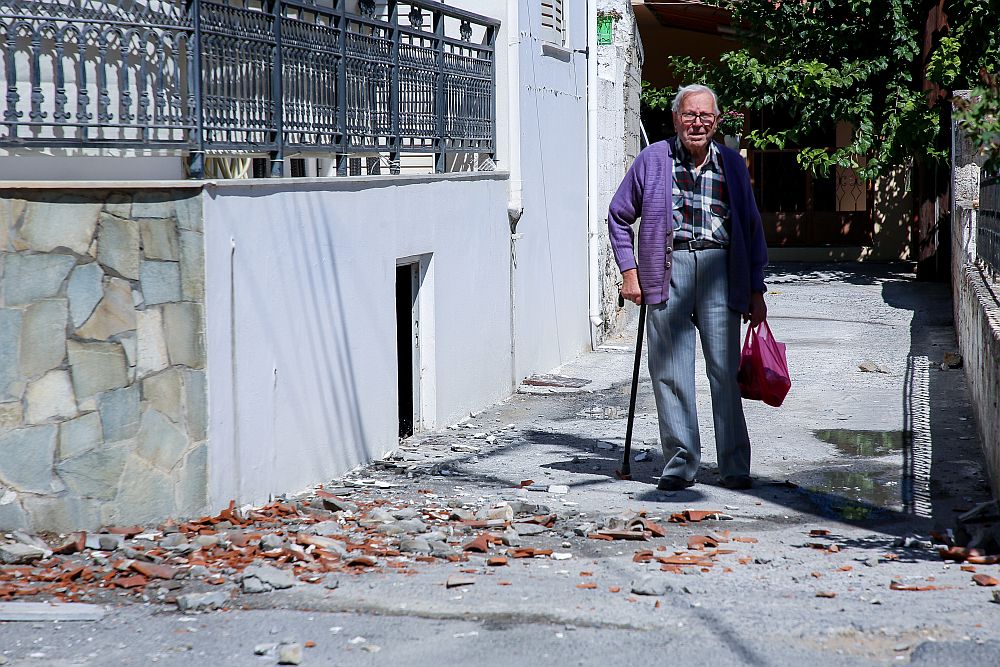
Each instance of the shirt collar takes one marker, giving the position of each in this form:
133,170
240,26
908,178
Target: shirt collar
713,154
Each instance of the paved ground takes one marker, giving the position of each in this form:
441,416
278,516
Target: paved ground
879,458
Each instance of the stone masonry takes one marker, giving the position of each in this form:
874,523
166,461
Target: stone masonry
103,404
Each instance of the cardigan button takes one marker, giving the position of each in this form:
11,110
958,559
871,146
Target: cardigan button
668,265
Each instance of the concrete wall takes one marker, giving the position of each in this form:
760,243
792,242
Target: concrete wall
301,322
550,241
102,380
619,84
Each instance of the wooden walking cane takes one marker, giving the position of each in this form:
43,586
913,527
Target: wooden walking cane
626,470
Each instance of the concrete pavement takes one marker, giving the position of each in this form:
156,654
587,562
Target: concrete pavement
875,444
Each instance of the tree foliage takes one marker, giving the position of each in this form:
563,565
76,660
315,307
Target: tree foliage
859,61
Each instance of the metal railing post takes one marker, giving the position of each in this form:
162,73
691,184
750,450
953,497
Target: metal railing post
196,157
441,156
396,139
491,38
341,143
277,156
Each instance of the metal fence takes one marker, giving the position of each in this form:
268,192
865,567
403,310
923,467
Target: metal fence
249,76
988,225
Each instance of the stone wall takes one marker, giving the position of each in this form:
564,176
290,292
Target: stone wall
103,406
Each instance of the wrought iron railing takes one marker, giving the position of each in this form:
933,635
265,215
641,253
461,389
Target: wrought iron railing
249,76
988,225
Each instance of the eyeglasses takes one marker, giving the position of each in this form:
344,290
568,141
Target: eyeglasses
690,117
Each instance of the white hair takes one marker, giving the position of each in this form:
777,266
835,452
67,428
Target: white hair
693,89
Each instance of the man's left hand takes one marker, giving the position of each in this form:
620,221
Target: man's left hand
758,310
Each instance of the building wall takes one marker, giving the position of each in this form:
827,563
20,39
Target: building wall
102,366
301,320
619,84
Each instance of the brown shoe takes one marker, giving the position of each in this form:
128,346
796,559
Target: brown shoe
737,483
673,483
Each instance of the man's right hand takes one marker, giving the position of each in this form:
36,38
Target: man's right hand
630,286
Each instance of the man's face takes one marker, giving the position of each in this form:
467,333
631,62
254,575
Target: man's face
695,133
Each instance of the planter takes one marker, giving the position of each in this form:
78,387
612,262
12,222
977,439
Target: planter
732,141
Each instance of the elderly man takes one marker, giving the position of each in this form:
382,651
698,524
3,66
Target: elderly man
701,257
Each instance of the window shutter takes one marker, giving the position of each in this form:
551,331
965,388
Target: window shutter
552,18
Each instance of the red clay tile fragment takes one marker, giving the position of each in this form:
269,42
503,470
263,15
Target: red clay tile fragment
899,586
600,536
982,560
129,582
496,561
957,554
480,544
746,540
310,644
127,531
75,543
968,568
615,589
361,561
635,535
503,583
816,575
527,482
587,585
985,580
154,570
656,529
642,556
826,594
819,532
701,542
696,516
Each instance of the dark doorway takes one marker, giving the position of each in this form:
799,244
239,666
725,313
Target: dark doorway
407,281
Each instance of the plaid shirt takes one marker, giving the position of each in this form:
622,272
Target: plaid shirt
700,200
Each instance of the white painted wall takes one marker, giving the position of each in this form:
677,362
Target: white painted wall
300,318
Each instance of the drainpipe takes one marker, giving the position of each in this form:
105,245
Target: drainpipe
515,202
594,213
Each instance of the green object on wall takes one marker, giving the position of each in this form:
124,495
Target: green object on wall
605,29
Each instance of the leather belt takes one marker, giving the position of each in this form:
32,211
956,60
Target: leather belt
697,244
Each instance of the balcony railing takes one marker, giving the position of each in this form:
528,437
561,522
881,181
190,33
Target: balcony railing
988,225
249,77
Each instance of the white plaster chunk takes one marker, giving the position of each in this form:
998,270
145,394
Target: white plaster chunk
96,367
192,266
113,315
161,282
50,397
159,441
11,416
191,483
196,404
153,204
28,278
119,413
145,494
84,290
66,222
79,435
95,474
182,329
26,463
10,346
151,346
118,246
62,514
159,239
43,337
164,392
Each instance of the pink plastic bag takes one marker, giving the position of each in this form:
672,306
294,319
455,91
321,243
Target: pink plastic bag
763,374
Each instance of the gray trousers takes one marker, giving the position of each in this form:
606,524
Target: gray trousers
698,300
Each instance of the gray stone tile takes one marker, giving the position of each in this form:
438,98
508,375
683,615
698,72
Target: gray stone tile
26,463
145,493
84,290
192,266
12,517
191,483
189,211
118,246
79,435
28,278
164,392
49,397
10,346
66,221
62,514
120,413
119,204
160,442
196,404
115,313
184,334
11,416
161,282
96,367
153,204
43,337
151,347
95,474
159,239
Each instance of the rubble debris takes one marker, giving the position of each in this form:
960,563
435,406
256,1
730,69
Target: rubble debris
952,360
826,594
454,581
871,367
18,553
899,586
650,585
290,654
696,516
985,580
202,601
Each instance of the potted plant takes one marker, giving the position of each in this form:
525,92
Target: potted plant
731,127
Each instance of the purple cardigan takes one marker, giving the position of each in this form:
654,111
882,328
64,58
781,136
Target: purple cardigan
646,192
